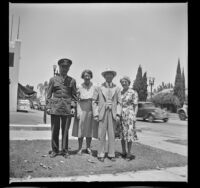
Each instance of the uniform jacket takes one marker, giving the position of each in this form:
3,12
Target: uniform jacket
61,95
100,103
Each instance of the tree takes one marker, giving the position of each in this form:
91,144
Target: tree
43,89
33,96
137,85
183,85
43,93
140,85
144,91
168,100
178,85
29,87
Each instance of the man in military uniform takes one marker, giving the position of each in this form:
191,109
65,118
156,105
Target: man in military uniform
60,104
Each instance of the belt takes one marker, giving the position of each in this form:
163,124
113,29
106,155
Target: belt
61,98
108,105
89,99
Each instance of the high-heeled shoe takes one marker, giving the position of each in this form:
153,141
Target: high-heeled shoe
130,157
101,159
88,150
80,152
112,159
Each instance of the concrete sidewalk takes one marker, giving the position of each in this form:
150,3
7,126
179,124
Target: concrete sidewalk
175,174
145,137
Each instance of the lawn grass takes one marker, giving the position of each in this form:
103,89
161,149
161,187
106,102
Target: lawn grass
28,157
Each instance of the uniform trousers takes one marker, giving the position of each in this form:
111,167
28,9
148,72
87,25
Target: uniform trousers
107,125
55,129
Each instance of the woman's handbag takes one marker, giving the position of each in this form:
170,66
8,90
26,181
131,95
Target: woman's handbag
118,129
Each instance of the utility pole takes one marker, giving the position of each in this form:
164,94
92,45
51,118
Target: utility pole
18,28
11,29
151,83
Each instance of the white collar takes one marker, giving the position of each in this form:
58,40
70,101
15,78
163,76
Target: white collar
85,86
109,84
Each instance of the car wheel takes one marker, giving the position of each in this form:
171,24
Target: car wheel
182,115
150,118
165,120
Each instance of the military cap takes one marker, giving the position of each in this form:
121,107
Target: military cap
109,71
65,61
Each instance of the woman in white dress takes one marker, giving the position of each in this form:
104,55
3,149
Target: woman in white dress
84,124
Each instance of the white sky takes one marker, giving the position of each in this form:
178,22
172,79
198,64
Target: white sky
97,36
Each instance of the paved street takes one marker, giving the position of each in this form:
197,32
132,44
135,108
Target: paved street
158,134
33,117
173,129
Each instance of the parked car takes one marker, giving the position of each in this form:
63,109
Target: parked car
42,105
31,104
35,105
148,111
183,112
23,105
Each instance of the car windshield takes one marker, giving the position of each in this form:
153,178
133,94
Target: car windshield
148,105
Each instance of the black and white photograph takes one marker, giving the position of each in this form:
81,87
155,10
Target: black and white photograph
98,92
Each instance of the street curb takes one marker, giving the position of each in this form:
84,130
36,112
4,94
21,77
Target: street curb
30,125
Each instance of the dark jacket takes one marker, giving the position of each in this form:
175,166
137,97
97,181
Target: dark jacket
61,95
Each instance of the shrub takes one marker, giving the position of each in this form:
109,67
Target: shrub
168,100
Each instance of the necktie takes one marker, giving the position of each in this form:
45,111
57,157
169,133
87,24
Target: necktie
109,98
109,94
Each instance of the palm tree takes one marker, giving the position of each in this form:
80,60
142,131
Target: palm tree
43,89
43,93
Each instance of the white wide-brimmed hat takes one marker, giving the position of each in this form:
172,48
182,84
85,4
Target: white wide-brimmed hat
108,70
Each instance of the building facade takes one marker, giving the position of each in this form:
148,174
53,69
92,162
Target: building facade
14,64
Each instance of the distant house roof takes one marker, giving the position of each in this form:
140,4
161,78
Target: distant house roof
166,91
24,92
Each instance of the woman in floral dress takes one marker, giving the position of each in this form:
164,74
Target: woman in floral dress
129,110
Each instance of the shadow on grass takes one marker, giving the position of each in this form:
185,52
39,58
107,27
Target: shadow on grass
94,153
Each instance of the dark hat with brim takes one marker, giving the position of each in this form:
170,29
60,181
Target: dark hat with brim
65,61
109,71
